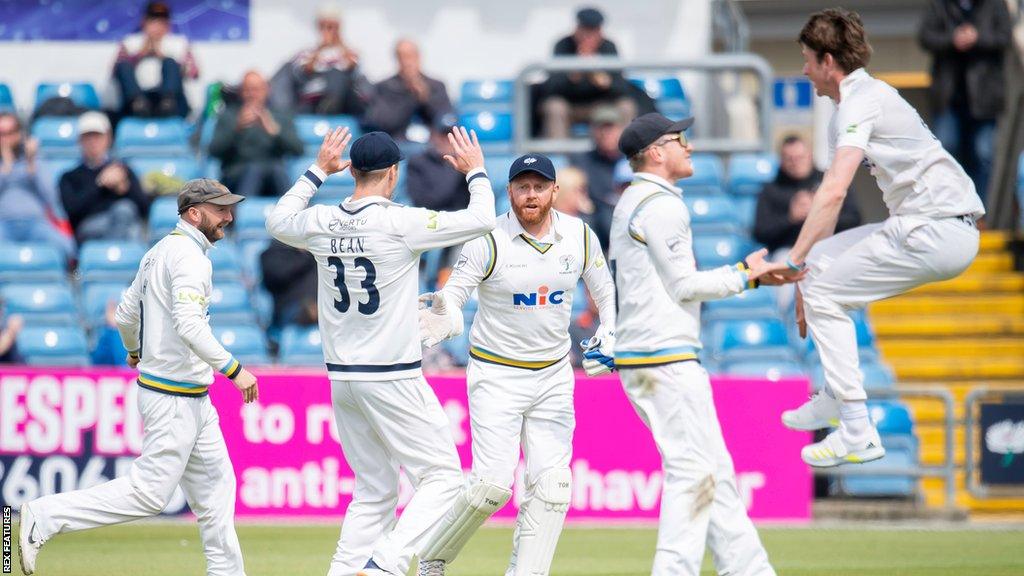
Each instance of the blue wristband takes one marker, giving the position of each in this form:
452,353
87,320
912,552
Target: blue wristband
795,267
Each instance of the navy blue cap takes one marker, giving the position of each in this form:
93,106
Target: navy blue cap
532,163
374,151
643,131
589,18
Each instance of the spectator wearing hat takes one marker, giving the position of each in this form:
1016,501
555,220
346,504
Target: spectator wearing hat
102,197
252,141
431,182
606,125
30,210
152,65
408,95
571,97
324,79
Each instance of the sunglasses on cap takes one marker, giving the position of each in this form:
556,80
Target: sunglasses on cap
680,136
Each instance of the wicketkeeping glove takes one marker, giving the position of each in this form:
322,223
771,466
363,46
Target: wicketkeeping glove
599,353
439,322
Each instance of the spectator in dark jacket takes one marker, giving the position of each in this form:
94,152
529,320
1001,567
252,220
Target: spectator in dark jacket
289,274
784,204
102,196
407,95
968,41
252,141
606,125
570,97
430,181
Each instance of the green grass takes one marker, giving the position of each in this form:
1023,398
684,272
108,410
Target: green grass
173,549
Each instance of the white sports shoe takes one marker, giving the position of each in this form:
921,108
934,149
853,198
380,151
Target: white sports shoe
29,541
431,568
833,450
821,411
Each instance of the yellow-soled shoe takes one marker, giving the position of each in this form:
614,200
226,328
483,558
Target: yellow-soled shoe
833,451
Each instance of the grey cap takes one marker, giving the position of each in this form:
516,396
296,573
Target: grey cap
205,191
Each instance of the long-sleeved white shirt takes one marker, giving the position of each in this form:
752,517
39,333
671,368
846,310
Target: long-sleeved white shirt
656,278
164,316
526,287
367,253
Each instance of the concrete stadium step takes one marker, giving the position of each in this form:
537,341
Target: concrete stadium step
939,369
992,262
975,282
955,305
892,326
911,348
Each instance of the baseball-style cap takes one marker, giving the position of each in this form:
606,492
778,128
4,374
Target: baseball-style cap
158,10
93,122
589,18
374,151
203,191
532,163
643,131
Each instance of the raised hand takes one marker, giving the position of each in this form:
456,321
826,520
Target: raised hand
466,153
329,157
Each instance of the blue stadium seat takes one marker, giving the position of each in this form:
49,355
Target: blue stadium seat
247,342
746,211
110,260
181,167
6,98
163,217
580,302
699,189
733,340
712,214
251,217
300,346
865,338
249,253
707,171
492,95
263,303
96,296
227,262
890,417
81,93
152,137
747,305
312,128
497,166
31,262
749,172
1020,171
56,167
713,250
493,129
769,369
896,427
57,136
877,376
41,303
230,304
667,93
53,345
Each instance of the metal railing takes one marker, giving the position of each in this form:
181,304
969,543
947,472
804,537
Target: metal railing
974,487
947,470
713,63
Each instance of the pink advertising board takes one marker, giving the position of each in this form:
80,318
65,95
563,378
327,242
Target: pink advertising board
66,429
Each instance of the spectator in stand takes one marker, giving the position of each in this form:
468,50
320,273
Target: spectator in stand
109,350
572,196
407,95
30,210
968,41
151,67
289,274
606,125
783,205
622,177
102,197
10,327
252,141
430,181
324,79
571,97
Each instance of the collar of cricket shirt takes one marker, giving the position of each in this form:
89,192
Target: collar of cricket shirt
541,245
186,229
658,181
851,79
353,207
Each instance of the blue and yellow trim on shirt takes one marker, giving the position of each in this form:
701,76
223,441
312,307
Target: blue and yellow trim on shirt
492,256
484,355
744,271
639,205
654,357
231,369
173,387
541,247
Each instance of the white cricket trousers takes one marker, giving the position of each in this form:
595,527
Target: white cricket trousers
183,445
385,426
700,504
869,263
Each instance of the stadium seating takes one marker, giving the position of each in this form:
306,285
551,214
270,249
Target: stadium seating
486,95
57,136
312,128
699,189
163,217
30,262
56,167
713,250
712,214
668,95
95,298
336,187
896,428
42,345
746,211
6,98
159,137
877,376
247,342
770,369
301,346
749,172
734,340
110,260
493,129
747,305
227,262
230,304
249,252
41,303
81,93
707,171
178,167
251,218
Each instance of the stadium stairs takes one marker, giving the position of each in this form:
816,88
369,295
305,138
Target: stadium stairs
958,334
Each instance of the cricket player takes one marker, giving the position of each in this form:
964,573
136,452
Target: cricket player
163,319
367,251
930,235
519,376
657,340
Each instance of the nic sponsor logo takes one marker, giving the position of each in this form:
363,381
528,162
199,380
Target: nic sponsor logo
542,297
